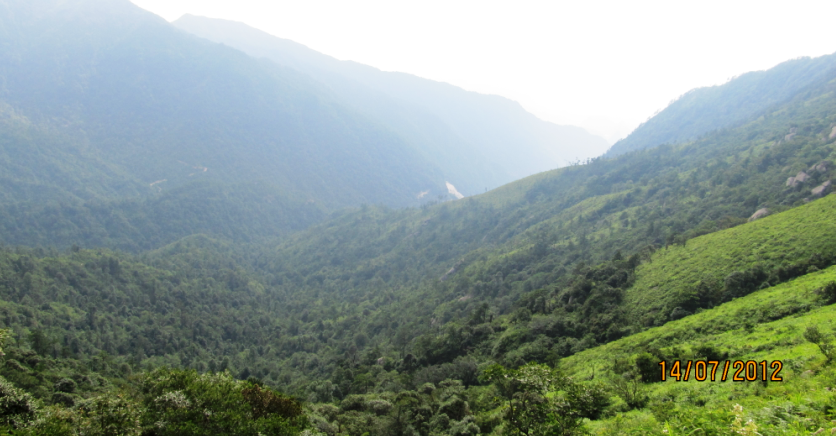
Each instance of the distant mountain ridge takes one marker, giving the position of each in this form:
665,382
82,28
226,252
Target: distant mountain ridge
118,129
703,110
497,139
157,104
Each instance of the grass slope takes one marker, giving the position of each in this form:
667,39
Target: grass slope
801,404
785,238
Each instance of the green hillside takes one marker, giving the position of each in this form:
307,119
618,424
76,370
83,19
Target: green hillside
76,155
242,212
560,246
198,242
704,110
792,299
41,164
95,317
724,265
767,325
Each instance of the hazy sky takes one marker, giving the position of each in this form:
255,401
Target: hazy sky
604,65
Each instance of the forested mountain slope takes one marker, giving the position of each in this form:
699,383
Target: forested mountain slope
82,321
42,164
377,282
703,110
143,107
239,212
429,320
457,282
527,234
461,132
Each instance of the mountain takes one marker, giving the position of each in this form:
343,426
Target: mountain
557,243
383,319
109,111
144,104
488,139
537,270
703,110
545,306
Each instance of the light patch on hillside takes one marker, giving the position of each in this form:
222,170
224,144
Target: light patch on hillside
453,191
157,182
422,194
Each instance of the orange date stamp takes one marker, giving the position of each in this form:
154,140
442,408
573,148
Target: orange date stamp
703,370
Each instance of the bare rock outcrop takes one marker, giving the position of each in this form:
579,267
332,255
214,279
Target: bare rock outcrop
820,167
799,178
820,190
452,270
760,213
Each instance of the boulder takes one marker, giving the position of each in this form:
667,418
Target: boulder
820,190
799,178
760,213
820,167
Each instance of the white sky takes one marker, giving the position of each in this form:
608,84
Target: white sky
604,65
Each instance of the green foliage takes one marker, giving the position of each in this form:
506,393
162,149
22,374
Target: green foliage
187,403
631,390
647,368
359,302
828,293
541,253
823,341
109,415
169,402
683,407
4,337
17,408
735,262
444,409
539,400
233,212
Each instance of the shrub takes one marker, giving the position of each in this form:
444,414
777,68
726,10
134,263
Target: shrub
17,408
828,293
827,348
187,403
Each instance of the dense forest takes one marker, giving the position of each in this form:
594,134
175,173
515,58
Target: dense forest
248,294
